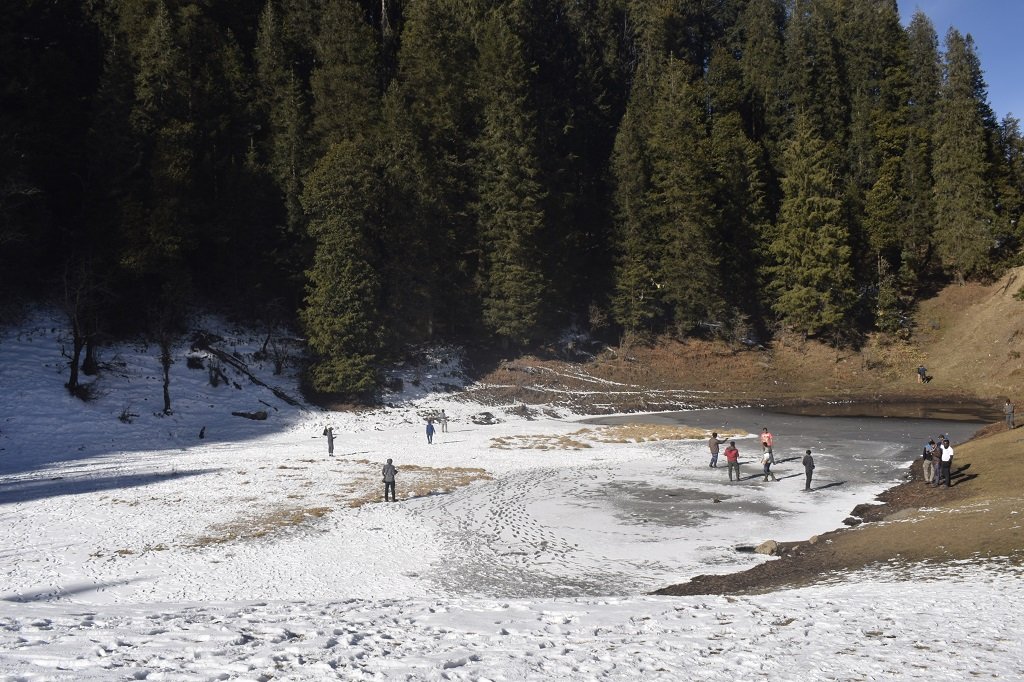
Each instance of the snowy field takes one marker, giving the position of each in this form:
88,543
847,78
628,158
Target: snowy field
131,548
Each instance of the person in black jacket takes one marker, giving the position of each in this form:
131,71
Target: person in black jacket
808,463
389,472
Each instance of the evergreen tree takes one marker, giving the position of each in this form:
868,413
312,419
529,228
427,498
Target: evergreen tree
682,184
739,197
285,110
815,78
511,197
1010,189
964,203
763,58
345,79
635,301
811,278
342,312
433,122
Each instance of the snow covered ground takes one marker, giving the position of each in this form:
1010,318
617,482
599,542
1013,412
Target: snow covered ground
131,548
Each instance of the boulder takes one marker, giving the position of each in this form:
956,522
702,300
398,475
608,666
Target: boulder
258,416
769,547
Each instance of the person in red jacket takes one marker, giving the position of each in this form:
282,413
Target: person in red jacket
732,456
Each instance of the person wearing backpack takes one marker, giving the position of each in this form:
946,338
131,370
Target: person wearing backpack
389,472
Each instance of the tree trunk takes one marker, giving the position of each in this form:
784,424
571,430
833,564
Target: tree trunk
76,355
165,361
90,367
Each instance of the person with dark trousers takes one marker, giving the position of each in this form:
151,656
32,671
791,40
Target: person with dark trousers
732,457
430,431
329,432
713,444
389,472
947,461
808,463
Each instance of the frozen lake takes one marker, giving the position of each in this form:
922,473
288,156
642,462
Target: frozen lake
631,524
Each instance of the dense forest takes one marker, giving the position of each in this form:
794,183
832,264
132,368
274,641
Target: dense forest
384,173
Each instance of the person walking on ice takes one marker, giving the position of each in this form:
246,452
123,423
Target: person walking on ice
766,463
713,444
808,463
430,431
732,458
766,443
389,472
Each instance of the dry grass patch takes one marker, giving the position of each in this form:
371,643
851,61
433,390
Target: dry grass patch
622,433
261,525
538,442
412,481
646,433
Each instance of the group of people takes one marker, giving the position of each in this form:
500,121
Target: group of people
938,462
732,457
442,419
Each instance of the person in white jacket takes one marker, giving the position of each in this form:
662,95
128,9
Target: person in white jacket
947,461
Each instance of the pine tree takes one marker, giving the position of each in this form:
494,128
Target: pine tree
636,302
432,117
511,200
284,107
346,75
762,60
341,316
740,195
964,204
682,183
811,278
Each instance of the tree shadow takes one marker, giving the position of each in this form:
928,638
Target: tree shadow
57,486
61,592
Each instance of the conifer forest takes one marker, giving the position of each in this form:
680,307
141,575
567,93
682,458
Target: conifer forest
386,173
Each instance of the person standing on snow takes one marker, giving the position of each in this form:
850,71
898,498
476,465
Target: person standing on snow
713,444
430,431
444,422
808,463
329,432
389,472
766,443
732,457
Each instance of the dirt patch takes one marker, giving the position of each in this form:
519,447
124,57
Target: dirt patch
260,525
412,481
